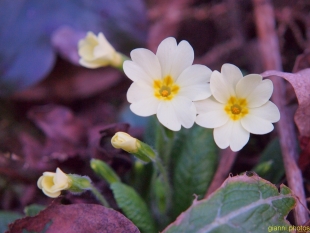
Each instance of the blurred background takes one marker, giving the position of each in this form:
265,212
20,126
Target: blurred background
55,113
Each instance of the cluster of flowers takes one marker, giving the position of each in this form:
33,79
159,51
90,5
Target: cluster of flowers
179,93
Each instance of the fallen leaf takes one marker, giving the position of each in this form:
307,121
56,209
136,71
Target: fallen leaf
65,40
304,157
58,122
302,61
75,218
301,84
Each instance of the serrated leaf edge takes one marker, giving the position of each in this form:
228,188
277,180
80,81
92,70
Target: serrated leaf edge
223,220
231,179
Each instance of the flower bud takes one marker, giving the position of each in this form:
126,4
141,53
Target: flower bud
96,51
52,183
132,145
124,141
104,171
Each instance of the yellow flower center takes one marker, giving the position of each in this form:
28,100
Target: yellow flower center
236,108
165,89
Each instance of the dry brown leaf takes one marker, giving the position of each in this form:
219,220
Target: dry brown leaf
58,122
301,84
75,218
304,157
302,61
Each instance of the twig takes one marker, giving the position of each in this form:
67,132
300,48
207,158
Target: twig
227,159
264,17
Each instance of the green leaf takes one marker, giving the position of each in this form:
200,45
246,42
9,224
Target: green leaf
133,207
6,218
270,165
241,204
194,168
33,210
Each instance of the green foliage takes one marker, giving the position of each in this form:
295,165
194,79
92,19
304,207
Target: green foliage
161,139
104,171
195,167
242,204
6,218
33,210
140,177
133,207
270,165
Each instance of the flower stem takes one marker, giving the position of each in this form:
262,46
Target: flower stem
164,143
166,181
99,196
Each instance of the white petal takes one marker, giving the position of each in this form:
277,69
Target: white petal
185,110
195,74
256,125
51,194
167,116
165,53
269,111
60,178
194,82
212,119
92,64
86,51
137,93
136,73
222,135
145,107
231,73
207,105
104,48
148,61
104,43
233,134
183,58
51,174
247,84
104,53
196,92
261,94
220,88
240,136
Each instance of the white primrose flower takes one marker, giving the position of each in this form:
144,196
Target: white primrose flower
96,51
239,106
52,183
166,84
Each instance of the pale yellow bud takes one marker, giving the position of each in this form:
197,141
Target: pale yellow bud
52,183
124,141
96,51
